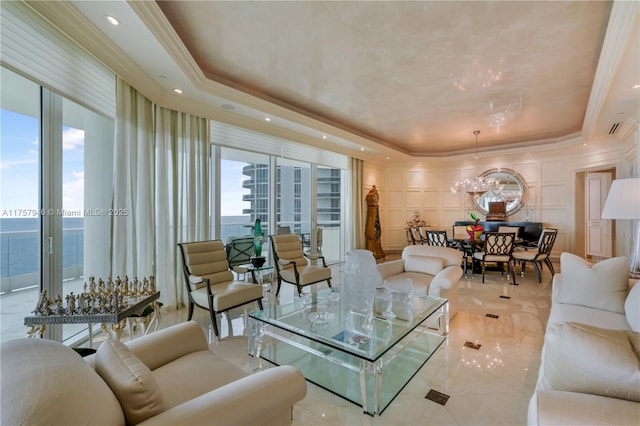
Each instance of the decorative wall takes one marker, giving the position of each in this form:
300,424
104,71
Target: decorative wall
554,197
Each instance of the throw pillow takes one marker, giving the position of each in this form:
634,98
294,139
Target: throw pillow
632,307
603,285
130,380
592,360
423,264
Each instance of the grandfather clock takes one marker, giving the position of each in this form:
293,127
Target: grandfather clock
372,229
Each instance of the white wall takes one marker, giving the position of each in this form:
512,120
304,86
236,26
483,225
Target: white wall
423,185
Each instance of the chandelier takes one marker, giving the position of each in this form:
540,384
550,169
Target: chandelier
477,185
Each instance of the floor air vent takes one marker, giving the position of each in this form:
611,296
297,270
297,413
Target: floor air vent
614,128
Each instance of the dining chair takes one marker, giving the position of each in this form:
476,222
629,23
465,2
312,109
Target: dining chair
239,250
209,282
517,242
437,238
460,241
422,231
542,253
498,248
413,234
294,266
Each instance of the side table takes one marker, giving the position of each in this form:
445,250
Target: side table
136,304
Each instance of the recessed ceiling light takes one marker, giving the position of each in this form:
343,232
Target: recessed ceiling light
178,91
324,136
112,20
637,86
362,148
228,106
267,119
388,158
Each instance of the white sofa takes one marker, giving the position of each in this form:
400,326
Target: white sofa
590,362
169,377
433,270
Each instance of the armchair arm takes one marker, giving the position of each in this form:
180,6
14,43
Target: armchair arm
242,402
284,261
166,345
388,269
444,280
316,257
195,279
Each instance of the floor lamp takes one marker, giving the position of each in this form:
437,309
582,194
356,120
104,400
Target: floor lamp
623,202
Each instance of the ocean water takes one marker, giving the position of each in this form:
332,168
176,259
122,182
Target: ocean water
19,244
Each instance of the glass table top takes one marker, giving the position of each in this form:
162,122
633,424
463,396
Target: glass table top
328,322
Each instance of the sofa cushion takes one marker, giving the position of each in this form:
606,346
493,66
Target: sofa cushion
586,359
130,380
603,285
46,383
423,264
632,307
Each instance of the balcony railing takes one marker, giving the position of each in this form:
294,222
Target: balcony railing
20,258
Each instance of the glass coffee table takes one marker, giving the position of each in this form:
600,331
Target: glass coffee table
365,362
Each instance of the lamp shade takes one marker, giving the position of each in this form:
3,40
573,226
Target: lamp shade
623,201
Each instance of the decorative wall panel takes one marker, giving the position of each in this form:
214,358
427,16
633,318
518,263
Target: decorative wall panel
434,179
413,199
413,179
394,199
553,171
553,196
394,180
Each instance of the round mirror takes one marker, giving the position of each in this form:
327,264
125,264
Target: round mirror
509,188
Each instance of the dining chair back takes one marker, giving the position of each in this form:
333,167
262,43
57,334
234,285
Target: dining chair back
498,248
414,236
437,238
541,254
239,250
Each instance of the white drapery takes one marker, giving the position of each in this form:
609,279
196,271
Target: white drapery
182,194
161,181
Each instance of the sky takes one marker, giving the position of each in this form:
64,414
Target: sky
19,170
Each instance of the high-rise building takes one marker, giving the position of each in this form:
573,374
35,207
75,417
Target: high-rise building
293,191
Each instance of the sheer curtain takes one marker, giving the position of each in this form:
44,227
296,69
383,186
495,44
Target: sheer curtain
161,176
132,241
182,194
358,240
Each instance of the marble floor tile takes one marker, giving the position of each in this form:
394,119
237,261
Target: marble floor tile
491,385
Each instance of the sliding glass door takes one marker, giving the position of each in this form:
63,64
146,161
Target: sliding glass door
56,179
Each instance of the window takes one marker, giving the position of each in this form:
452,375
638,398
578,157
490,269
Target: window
48,183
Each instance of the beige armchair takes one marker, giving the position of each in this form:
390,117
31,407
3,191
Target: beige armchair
171,377
293,265
210,284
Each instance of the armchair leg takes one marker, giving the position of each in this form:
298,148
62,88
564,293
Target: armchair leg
260,304
190,310
214,323
278,289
